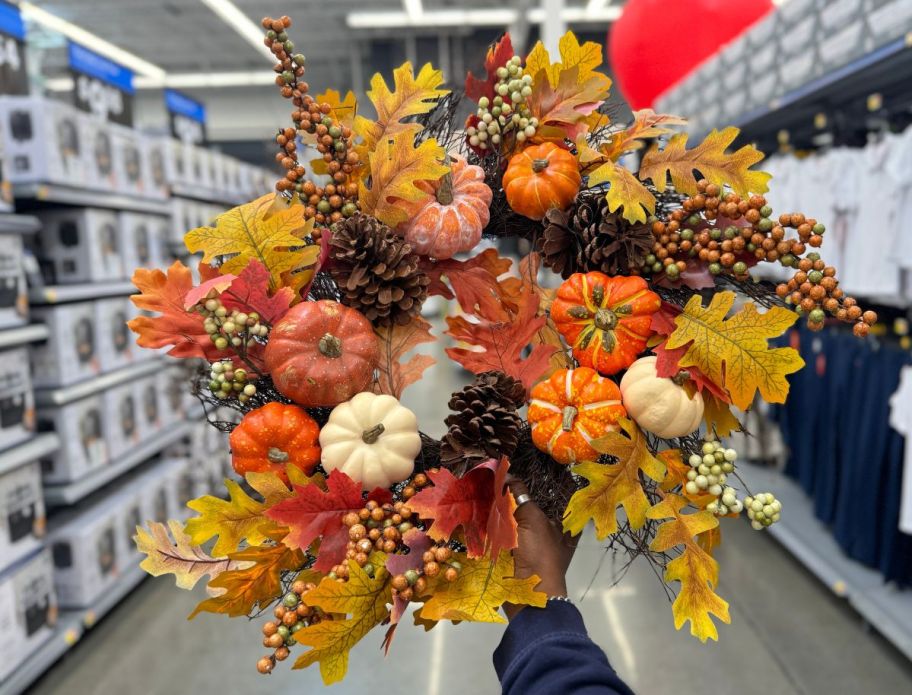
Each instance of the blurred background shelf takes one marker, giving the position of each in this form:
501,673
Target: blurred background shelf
68,394
68,632
18,224
35,448
31,333
58,294
32,195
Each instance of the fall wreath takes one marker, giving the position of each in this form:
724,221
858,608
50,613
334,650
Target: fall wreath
307,306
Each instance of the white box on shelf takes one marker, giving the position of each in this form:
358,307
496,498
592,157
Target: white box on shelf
800,70
175,161
101,172
763,32
795,10
180,479
734,52
28,610
121,420
150,410
843,45
130,161
155,150
79,245
114,339
835,14
888,20
157,500
84,550
800,37
13,291
198,167
17,403
128,505
43,141
70,353
141,241
22,518
764,59
82,425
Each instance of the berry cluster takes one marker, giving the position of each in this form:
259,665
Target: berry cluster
437,561
763,510
326,204
292,614
373,527
507,113
225,380
232,328
709,470
727,503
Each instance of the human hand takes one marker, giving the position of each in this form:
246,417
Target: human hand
543,549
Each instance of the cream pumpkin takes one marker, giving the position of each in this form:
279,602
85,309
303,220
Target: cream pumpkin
657,404
372,439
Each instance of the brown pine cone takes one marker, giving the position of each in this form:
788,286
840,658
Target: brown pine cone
558,244
376,271
609,243
484,423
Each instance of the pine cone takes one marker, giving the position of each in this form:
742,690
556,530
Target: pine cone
376,271
484,423
558,244
609,243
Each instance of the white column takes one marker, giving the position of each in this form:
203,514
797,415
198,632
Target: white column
553,26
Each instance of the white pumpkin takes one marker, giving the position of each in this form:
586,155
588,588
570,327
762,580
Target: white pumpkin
657,404
372,439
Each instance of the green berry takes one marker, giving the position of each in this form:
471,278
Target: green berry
739,268
715,268
687,234
291,599
715,234
731,232
349,209
693,220
814,277
657,267
765,224
751,248
672,271
284,631
288,46
766,211
299,59
650,259
288,76
788,260
813,256
816,316
369,569
818,228
324,207
411,576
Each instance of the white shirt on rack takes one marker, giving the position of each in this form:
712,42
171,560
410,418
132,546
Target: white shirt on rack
901,421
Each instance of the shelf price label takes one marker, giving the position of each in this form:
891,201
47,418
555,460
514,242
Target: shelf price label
103,87
187,116
13,73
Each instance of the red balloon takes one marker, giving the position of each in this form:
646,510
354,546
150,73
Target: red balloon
655,43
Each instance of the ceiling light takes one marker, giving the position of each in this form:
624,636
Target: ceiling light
90,40
413,8
474,18
190,80
229,13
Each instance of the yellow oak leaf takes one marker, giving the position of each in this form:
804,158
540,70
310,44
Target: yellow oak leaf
675,469
482,587
262,230
694,568
587,57
259,582
363,598
710,539
646,124
614,484
734,352
710,159
396,166
624,191
718,416
187,562
343,109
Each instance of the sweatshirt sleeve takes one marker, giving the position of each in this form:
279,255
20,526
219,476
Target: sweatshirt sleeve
547,650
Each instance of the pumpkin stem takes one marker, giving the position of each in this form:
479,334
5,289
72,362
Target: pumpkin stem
330,346
605,319
539,165
681,377
373,434
445,191
276,455
567,418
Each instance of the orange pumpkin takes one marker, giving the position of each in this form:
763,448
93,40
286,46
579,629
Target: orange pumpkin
450,220
539,178
606,320
275,436
321,353
570,409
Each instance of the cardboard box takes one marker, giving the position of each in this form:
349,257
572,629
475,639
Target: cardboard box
70,353
180,479
101,172
198,169
150,408
84,551
127,503
158,502
82,426
121,420
28,610
22,514
13,290
843,45
79,245
833,15
43,141
888,20
130,161
141,240
156,156
17,403
115,341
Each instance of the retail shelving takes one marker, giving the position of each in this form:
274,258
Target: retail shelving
18,224
206,195
30,195
30,333
885,608
35,448
68,394
57,294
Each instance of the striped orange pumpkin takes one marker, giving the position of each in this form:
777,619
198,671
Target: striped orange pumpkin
570,409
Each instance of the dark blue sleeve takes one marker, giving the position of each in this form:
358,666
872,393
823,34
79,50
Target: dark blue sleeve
547,650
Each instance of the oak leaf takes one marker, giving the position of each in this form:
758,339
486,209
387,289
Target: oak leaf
586,58
625,192
314,513
262,230
396,166
396,341
718,416
363,598
498,54
694,568
561,108
481,588
258,583
710,159
614,485
473,283
187,562
646,124
734,352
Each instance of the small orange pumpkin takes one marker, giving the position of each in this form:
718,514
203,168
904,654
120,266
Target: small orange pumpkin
450,220
275,436
539,178
570,409
605,320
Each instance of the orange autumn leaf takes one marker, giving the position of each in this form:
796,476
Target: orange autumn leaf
675,469
694,568
396,166
187,562
473,283
396,341
718,416
646,124
734,352
562,108
710,159
615,484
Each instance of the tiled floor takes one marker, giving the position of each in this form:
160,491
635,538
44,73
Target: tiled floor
788,635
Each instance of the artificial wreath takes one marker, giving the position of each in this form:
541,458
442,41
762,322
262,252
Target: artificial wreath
307,308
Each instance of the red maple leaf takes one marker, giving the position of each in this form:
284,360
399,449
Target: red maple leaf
249,292
418,542
472,283
498,55
474,502
314,513
663,321
502,342
668,366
